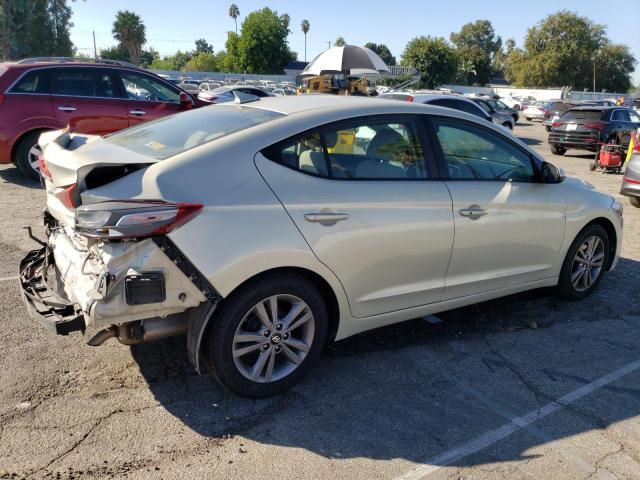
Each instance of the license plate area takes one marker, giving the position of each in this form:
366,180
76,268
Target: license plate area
145,288
571,126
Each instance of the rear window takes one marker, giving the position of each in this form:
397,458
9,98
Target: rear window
582,115
175,134
33,81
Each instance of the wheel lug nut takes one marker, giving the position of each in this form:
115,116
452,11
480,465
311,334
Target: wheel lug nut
279,326
285,336
265,347
266,333
278,348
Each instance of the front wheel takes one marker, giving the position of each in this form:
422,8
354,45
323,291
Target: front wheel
266,336
635,201
557,150
585,263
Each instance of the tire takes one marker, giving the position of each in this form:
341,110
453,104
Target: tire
26,150
547,128
556,150
507,125
592,167
528,119
515,118
635,201
237,315
566,288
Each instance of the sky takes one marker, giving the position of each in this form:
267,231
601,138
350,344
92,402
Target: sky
175,25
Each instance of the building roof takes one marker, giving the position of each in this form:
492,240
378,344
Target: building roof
296,65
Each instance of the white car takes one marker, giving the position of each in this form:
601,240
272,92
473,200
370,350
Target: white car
225,94
264,230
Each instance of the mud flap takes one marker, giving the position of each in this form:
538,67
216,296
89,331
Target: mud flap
198,320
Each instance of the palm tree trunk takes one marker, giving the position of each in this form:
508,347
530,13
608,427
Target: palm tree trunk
305,47
236,20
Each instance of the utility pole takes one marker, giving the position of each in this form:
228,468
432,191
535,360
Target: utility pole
329,45
594,75
95,50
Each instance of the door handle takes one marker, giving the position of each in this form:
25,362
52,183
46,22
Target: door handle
328,218
137,112
66,108
473,212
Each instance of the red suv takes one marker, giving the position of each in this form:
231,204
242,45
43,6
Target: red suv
93,98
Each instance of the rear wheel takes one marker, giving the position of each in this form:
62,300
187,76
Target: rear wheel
547,128
267,335
635,201
27,153
585,263
557,150
507,125
528,119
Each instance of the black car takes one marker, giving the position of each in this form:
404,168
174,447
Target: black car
584,128
555,111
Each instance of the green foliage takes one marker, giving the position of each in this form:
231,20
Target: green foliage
433,57
129,30
340,42
305,26
202,62
231,63
383,52
148,56
286,20
175,62
262,46
35,28
202,46
117,52
614,62
477,44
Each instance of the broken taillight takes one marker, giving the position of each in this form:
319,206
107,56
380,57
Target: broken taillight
43,168
127,219
68,196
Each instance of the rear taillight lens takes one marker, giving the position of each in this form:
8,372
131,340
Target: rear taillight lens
43,168
410,98
125,219
556,124
68,196
629,180
596,125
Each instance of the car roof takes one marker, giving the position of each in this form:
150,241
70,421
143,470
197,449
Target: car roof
593,107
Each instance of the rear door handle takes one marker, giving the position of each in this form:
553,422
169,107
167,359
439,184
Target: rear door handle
325,217
66,108
137,112
473,212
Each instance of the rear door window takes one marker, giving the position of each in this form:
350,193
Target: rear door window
621,116
471,108
580,115
35,81
88,82
138,86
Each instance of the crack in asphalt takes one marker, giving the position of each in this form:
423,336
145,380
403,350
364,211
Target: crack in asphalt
599,461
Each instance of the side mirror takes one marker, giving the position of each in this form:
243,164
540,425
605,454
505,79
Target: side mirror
551,174
185,100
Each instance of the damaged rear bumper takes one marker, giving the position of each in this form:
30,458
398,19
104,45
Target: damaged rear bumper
55,313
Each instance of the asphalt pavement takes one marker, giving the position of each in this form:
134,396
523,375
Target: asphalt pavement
528,386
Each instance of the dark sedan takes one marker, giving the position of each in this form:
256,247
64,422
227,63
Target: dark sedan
584,128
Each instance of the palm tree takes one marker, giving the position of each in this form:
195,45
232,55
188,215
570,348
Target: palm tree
464,69
129,30
305,29
234,12
286,20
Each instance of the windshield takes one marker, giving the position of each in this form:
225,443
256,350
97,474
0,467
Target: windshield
174,134
582,115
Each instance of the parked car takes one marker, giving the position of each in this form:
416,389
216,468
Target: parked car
225,94
499,117
191,87
631,180
450,101
264,230
208,86
95,98
501,107
537,110
554,112
585,128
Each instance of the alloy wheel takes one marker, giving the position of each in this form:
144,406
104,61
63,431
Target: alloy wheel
273,338
34,153
587,263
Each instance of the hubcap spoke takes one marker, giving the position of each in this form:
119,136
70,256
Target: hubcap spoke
237,353
243,337
295,311
297,344
259,366
272,359
261,312
587,263
273,305
293,357
301,321
577,276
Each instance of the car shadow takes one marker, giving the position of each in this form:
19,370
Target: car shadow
15,176
395,392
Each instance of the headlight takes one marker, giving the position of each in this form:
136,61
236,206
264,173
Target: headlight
616,206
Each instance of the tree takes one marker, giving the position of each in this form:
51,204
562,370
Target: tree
478,44
234,12
117,52
148,56
262,47
175,62
203,47
60,14
614,63
304,26
286,20
231,61
201,62
465,68
340,42
434,59
129,30
558,51
383,52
